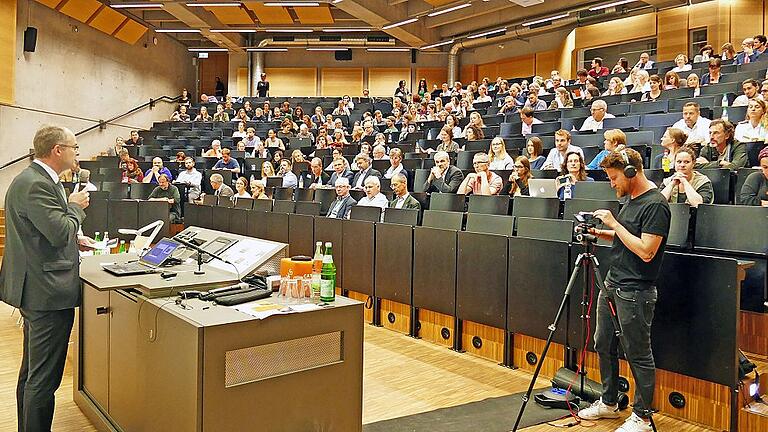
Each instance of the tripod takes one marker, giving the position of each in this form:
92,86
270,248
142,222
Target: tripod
590,263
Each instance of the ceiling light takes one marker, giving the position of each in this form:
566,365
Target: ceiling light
388,49
450,9
233,30
229,4
207,50
294,4
479,35
266,49
337,1
543,20
288,30
606,6
345,30
136,6
328,49
398,24
435,45
165,30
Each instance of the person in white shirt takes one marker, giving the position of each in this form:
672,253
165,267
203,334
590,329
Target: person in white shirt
241,189
395,158
751,89
483,90
645,62
693,124
599,112
563,146
498,156
528,120
85,182
240,132
681,64
192,178
754,127
373,196
289,178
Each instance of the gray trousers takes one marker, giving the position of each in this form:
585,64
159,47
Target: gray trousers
46,338
635,314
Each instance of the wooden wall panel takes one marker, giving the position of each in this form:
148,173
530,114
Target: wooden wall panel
746,19
341,81
517,66
611,32
7,50
490,70
467,73
566,62
216,65
293,81
433,76
107,20
80,10
673,34
50,3
383,81
545,63
131,32
242,81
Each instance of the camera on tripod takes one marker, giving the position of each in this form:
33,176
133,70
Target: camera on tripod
585,222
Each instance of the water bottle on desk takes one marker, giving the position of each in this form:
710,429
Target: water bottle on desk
97,238
105,250
328,276
317,269
568,191
724,104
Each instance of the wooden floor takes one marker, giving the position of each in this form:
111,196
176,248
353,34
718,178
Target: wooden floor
402,376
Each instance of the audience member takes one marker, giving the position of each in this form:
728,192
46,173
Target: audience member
203,116
751,89
599,110
373,196
534,149
241,189
645,62
272,141
227,162
117,148
443,177
598,70
573,170
135,139
71,175
215,150
483,181
341,170
396,166
722,151
713,76
342,206
519,178
150,176
315,176
528,120
192,178
686,185
533,99
614,140
267,170
556,157
672,141
745,56
498,156
695,126
132,173
363,162
289,178
755,126
402,199
84,182
758,47
169,193
218,186
656,89
704,54
220,115
754,192
681,64
671,81
257,189
181,114
728,51
692,81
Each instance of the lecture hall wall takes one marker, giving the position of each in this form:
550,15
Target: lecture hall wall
87,74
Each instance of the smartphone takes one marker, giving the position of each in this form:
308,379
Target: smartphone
562,180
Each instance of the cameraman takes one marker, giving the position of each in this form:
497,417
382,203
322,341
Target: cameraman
639,235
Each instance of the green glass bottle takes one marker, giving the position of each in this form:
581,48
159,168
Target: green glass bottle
328,276
122,247
97,238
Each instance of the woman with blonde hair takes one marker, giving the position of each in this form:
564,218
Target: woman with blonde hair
267,170
615,139
755,125
257,190
681,64
729,53
498,157
562,99
615,87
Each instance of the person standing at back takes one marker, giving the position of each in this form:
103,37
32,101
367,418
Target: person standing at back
262,87
40,270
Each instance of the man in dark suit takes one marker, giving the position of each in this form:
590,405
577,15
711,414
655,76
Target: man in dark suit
363,162
402,199
443,177
40,274
341,208
340,170
315,176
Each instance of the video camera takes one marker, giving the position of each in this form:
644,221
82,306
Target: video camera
585,222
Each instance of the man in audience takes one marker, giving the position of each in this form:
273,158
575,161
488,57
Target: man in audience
509,106
758,46
218,186
315,176
483,181
368,129
722,151
598,70
157,168
563,146
342,206
363,162
192,178
402,200
135,139
215,150
528,120
693,124
751,89
380,153
71,175
289,178
373,196
304,133
396,166
251,140
745,56
391,128
169,193
645,62
443,177
340,170
227,162
599,112
533,99
84,182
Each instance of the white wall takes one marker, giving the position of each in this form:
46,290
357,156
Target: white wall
85,74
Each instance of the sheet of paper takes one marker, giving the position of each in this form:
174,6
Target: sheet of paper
261,309
244,254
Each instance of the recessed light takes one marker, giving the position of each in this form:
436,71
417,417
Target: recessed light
398,24
223,4
292,4
233,30
164,30
136,6
266,49
207,49
450,9
435,45
543,20
289,30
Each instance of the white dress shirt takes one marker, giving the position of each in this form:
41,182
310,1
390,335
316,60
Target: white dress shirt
555,159
379,200
591,124
698,133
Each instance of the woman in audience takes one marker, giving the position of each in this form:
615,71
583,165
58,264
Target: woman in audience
502,89
132,173
655,92
241,190
671,81
181,114
535,147
728,52
681,64
755,126
380,139
615,87
221,115
421,89
755,189
248,108
693,82
473,133
115,149
498,157
267,170
357,135
615,139
185,99
257,189
622,66
672,141
240,145
475,120
298,113
401,91
463,109
203,116
447,144
286,129
631,79
439,105
240,132
704,54
562,99
230,110
341,109
573,170
307,121
686,185
329,123
277,114
452,122
272,141
321,142
241,116
277,156
259,116
339,141
318,117
641,84
519,178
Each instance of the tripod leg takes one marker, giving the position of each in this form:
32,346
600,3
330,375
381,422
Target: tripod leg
552,328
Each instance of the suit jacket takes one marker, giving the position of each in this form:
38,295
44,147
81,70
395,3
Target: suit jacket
346,207
310,178
347,173
738,157
370,172
224,191
449,183
739,59
41,265
410,203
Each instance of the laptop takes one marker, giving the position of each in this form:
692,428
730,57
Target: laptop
542,188
149,263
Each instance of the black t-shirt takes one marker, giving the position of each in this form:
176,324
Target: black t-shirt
262,87
647,213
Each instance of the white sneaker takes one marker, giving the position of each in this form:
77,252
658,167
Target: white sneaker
599,410
635,424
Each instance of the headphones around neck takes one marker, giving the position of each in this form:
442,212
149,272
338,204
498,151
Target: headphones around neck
629,170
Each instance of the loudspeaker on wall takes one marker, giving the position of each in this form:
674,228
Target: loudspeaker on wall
30,39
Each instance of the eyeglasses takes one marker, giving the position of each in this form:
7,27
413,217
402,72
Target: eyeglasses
479,163
596,109
76,147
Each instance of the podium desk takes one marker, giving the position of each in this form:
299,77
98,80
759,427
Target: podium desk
146,363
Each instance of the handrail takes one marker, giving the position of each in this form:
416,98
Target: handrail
101,123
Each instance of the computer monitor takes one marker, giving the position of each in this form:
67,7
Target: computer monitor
156,256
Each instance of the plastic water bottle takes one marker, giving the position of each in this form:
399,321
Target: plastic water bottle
97,238
317,269
106,250
328,276
724,104
665,164
568,192
131,247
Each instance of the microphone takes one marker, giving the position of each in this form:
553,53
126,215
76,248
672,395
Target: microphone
200,251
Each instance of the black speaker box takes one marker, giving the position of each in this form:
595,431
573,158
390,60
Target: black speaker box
30,39
413,56
345,55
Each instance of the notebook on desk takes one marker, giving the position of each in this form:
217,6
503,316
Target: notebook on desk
149,263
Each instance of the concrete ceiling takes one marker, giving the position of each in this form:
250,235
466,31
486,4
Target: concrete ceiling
479,16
